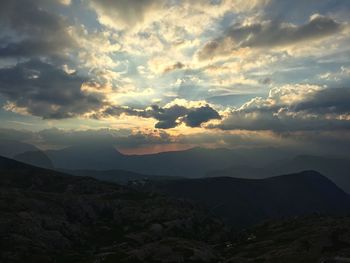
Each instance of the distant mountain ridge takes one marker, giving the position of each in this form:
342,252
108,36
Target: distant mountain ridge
194,162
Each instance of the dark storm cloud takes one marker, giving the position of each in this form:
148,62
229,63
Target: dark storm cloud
169,117
30,30
203,114
33,32
325,109
32,48
46,91
332,100
269,34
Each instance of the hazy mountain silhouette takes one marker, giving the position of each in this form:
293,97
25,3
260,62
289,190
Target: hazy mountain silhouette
248,201
99,157
189,163
10,148
36,158
192,163
336,169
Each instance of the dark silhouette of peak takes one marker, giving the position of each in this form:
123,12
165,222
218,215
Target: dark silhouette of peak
247,201
36,158
99,157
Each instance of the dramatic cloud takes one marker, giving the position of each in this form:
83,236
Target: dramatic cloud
165,72
41,89
125,13
293,108
269,34
171,116
200,115
29,30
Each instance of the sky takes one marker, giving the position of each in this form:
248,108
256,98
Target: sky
158,75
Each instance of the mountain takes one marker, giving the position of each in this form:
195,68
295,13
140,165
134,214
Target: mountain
10,148
48,216
245,202
189,163
35,158
91,157
336,169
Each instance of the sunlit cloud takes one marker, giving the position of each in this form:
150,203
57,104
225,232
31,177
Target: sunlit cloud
188,69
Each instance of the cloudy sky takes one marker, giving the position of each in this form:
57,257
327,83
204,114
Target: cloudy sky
156,75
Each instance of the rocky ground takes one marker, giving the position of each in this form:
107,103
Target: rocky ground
308,239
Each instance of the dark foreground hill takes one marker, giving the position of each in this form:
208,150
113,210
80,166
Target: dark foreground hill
47,216
311,239
248,201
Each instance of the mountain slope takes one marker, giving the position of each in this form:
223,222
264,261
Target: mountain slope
91,157
248,201
336,169
47,216
35,158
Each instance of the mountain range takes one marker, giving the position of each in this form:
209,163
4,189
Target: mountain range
104,161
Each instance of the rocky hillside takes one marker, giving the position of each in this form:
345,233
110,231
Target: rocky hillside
47,216
51,217
313,239
243,202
